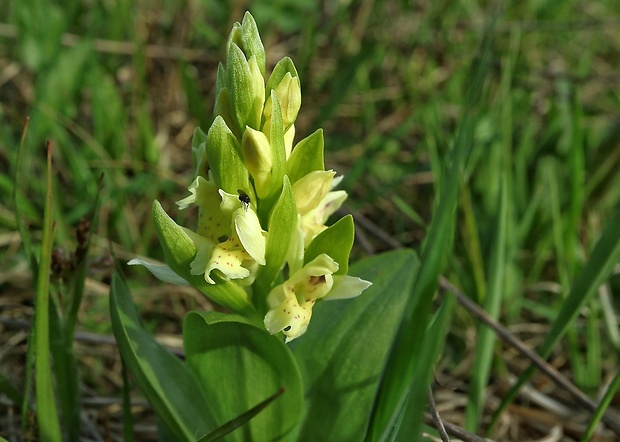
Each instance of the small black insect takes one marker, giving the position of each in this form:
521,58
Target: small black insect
244,198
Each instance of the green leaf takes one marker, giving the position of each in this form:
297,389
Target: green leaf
282,222
239,365
431,349
236,422
47,415
179,251
336,241
163,378
239,86
604,258
344,350
7,389
276,139
246,36
306,157
251,41
223,153
396,388
485,344
284,66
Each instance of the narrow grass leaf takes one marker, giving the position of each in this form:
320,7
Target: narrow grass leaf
492,303
47,415
19,187
7,389
235,423
604,258
438,328
402,369
613,388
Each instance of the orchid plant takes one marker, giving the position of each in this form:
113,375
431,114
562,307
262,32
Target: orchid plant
262,248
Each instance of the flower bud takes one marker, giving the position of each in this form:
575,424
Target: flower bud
311,189
258,159
289,95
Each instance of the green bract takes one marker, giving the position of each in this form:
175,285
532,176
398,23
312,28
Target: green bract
260,246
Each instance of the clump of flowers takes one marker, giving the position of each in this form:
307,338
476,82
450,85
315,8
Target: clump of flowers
261,246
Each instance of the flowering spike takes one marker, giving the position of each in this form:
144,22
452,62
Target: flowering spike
248,178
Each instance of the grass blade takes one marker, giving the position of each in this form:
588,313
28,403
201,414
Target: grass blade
492,303
47,415
402,368
235,423
600,411
605,256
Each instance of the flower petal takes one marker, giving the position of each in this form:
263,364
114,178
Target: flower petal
212,223
288,316
228,257
250,234
315,279
347,287
161,272
310,190
313,222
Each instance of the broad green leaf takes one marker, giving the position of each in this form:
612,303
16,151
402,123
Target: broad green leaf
336,241
239,365
162,377
307,156
344,350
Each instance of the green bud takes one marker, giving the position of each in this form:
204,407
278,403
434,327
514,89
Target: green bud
289,138
223,108
258,157
220,79
224,155
246,37
258,92
199,154
285,82
240,87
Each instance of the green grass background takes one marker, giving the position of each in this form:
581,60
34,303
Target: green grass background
118,87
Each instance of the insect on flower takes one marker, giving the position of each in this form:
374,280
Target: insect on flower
244,198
